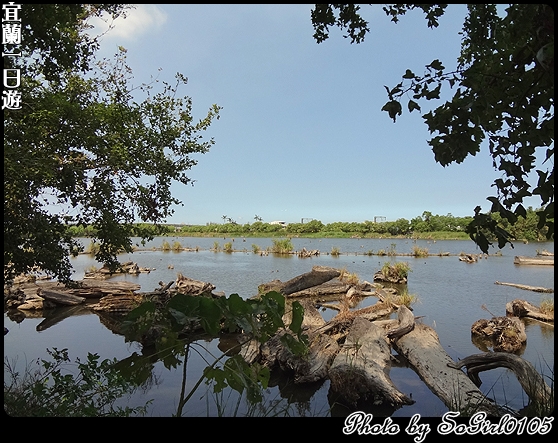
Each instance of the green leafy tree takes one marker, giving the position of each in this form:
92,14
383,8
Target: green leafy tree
86,148
503,94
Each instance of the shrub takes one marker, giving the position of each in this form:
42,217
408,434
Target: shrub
93,248
283,246
399,270
420,252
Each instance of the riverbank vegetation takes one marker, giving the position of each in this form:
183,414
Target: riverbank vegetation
426,226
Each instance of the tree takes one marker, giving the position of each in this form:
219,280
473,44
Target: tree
86,148
504,94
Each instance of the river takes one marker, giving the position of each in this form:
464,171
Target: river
451,296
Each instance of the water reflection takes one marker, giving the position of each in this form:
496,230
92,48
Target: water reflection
450,296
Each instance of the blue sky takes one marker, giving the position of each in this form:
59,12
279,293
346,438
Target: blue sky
301,132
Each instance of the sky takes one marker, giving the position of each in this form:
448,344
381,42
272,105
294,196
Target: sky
301,134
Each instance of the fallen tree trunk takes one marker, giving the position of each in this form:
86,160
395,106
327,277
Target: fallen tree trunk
422,348
531,381
61,298
360,370
541,260
328,289
526,287
318,275
522,308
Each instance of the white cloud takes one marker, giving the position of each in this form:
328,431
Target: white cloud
139,20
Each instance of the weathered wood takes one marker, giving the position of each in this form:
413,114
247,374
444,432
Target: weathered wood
61,298
186,285
327,289
506,334
531,381
468,258
540,260
100,288
304,253
406,321
525,287
360,371
342,321
522,308
317,276
118,303
422,348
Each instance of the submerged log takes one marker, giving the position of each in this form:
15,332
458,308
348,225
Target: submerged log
505,334
360,371
522,308
531,381
526,287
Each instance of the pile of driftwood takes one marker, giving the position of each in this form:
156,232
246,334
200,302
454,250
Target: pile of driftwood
125,268
352,349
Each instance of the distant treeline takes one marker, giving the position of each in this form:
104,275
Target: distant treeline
425,226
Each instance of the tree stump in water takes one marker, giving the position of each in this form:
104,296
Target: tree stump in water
360,371
505,334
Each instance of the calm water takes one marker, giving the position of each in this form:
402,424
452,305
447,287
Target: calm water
451,295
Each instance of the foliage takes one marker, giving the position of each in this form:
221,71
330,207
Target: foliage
259,318
504,94
87,148
417,251
54,392
283,246
397,270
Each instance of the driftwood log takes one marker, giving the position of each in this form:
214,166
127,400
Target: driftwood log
539,260
61,298
359,359
360,371
422,348
531,381
318,275
522,308
526,287
186,285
